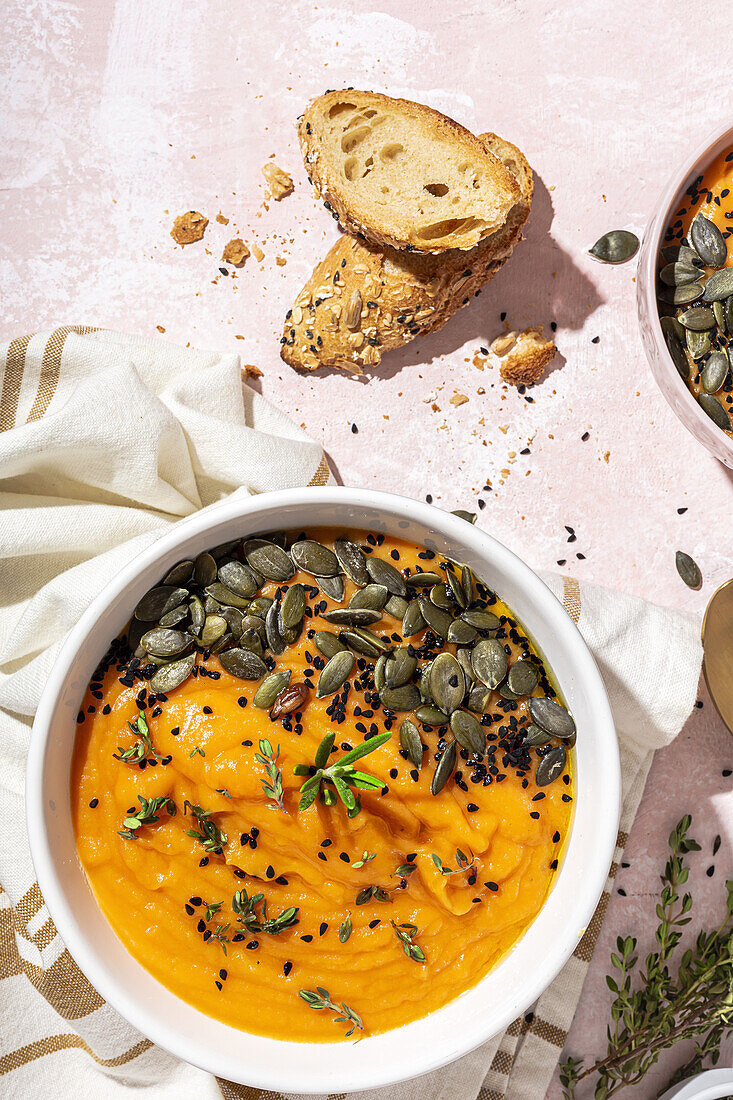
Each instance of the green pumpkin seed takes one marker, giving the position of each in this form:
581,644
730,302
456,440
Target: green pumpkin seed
430,715
688,569
328,644
677,353
551,766
215,628
715,411
204,569
315,558
179,575
456,589
224,549
467,585
400,668
672,325
165,643
171,676
248,639
406,697
478,699
269,559
719,314
441,596
461,633
413,621
270,688
489,662
243,663
715,372
463,656
681,295
372,596
335,674
469,517
423,580
369,638
159,601
275,640
224,595
238,578
616,247
380,672
481,620
551,717
352,616
366,646
174,617
292,608
468,732
424,682
438,621
260,606
698,318
681,253
535,737
679,274
729,314
382,572
447,683
709,242
411,743
211,605
719,285
246,622
445,768
332,586
135,631
506,692
198,615
523,677
352,560
396,606
698,343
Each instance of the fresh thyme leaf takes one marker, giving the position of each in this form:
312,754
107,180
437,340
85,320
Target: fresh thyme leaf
406,933
695,1003
341,774
369,892
211,836
321,998
211,909
219,936
366,857
405,869
245,908
198,750
273,789
146,815
142,748
462,861
345,929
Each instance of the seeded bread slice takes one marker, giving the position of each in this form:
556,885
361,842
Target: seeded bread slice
361,301
402,174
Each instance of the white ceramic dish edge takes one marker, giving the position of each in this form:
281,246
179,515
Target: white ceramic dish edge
464,1023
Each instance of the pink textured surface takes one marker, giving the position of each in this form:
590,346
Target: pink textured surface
121,115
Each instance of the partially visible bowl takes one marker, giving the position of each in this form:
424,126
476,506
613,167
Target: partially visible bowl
458,1027
674,389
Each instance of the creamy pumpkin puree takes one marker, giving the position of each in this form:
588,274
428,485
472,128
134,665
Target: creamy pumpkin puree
158,889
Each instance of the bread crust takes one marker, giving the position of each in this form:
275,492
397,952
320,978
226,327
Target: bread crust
397,295
526,362
385,223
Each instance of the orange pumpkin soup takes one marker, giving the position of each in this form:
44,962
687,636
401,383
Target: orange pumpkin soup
248,856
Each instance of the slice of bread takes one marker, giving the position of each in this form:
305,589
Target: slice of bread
402,174
361,300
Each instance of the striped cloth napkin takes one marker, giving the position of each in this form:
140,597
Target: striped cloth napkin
105,441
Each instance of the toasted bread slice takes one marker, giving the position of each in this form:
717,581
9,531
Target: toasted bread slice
361,300
402,174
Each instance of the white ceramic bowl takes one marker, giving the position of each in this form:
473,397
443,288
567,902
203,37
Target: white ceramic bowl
663,369
467,1021
715,1084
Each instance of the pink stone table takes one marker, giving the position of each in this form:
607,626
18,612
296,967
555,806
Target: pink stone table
116,116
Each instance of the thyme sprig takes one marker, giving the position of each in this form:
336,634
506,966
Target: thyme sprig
143,747
245,908
208,832
462,861
274,788
320,998
366,857
696,1003
406,933
341,774
146,815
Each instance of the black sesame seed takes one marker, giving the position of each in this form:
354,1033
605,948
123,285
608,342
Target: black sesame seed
94,803
323,929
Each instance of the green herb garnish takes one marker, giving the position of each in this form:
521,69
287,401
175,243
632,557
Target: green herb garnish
341,774
405,869
366,857
219,936
406,933
212,908
211,836
369,892
245,908
142,748
345,929
320,998
696,1004
147,814
273,789
461,859
198,750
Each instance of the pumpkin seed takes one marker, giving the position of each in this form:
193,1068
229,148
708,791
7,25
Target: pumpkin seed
292,608
365,646
243,663
444,769
468,732
438,621
719,286
269,559
461,633
380,670
172,675
481,620
489,662
215,628
423,580
424,682
174,617
456,588
698,343
211,605
430,715
335,674
400,668
314,558
413,621
411,743
246,622
260,606
467,585
681,253
249,639
447,683
729,314
523,677
709,242
681,295
551,717
198,615
382,572
275,640
506,692
238,578
224,549
179,575
328,644
369,638
469,517
616,247
352,616
551,766
396,606
159,601
672,325
677,353
535,737
165,643
441,596
715,372
679,274
372,596
224,595
135,631
688,569
719,314
352,560
270,688
204,569
698,318
715,411
406,697
332,586
478,699
463,656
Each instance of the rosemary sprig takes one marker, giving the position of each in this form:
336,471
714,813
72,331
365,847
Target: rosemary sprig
320,998
462,861
406,933
273,789
211,836
245,908
696,1003
146,815
366,857
341,774
142,748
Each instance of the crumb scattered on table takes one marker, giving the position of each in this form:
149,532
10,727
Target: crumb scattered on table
531,354
281,184
221,219
251,371
458,399
235,252
189,227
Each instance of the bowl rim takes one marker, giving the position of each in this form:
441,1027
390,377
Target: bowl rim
675,392
353,1074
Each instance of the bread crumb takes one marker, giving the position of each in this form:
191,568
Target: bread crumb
249,370
458,399
280,261
160,328
258,254
235,252
221,219
189,227
281,184
502,344
526,363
